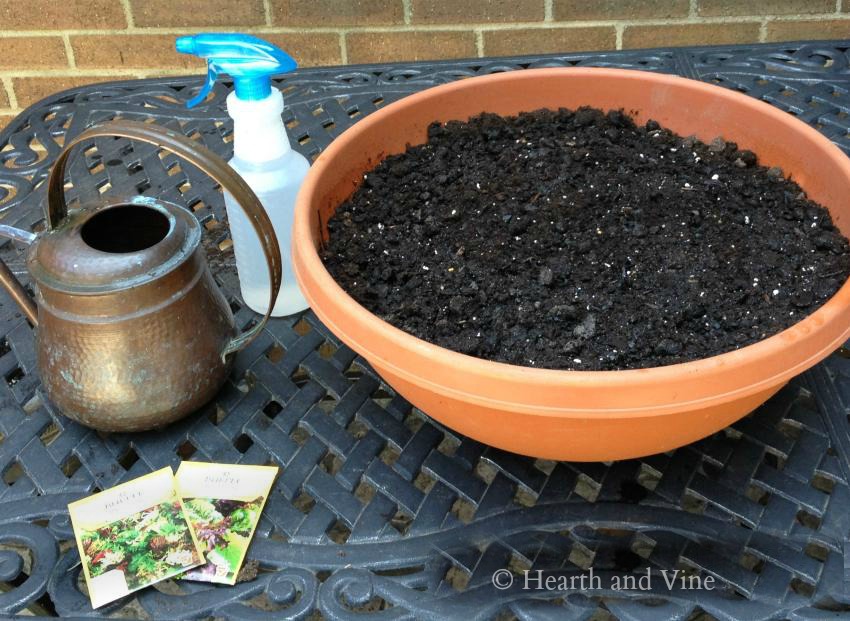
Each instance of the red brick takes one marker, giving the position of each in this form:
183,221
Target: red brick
130,52
31,90
475,11
33,53
813,29
309,49
61,14
6,118
568,10
763,7
367,47
548,40
336,12
221,13
690,34
157,51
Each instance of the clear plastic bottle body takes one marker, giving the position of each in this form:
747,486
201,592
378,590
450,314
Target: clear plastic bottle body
276,183
263,157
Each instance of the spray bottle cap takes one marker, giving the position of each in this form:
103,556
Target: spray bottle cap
248,60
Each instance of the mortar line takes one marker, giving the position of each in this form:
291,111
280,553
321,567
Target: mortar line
618,30
69,52
479,42
99,73
763,31
838,7
128,14
407,11
10,92
807,18
424,27
548,10
343,47
693,10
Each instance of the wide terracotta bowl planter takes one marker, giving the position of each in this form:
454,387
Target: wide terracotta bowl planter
576,415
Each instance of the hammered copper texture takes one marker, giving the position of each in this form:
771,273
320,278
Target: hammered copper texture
123,375
138,337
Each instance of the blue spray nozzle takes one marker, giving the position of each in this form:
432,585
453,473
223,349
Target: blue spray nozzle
250,61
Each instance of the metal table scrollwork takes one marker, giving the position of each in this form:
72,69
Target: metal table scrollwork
380,512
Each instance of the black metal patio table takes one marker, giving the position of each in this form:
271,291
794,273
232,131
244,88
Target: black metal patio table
379,511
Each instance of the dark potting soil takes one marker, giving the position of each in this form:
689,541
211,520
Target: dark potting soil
578,240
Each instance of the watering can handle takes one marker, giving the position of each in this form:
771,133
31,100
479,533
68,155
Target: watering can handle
205,160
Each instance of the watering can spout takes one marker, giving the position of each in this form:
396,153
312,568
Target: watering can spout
12,284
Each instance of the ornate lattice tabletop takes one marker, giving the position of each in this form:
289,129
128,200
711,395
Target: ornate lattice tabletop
380,512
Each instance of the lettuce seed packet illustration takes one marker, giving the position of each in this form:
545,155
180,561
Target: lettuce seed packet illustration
133,535
224,503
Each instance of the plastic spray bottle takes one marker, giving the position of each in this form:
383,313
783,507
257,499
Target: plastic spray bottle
262,155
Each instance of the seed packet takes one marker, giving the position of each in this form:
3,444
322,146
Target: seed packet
133,535
223,503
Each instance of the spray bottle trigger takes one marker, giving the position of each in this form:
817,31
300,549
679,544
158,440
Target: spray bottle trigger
212,74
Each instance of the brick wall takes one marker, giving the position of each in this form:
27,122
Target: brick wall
48,45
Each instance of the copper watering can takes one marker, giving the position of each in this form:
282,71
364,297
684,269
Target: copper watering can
132,331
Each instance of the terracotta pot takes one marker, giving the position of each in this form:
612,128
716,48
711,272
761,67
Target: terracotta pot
576,415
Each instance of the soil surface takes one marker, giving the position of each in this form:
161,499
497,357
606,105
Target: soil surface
578,240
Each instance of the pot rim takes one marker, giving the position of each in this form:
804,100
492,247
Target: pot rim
308,266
